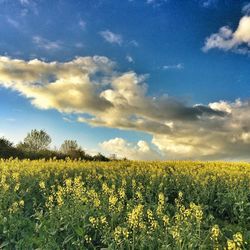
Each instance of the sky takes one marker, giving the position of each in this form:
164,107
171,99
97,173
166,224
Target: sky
142,79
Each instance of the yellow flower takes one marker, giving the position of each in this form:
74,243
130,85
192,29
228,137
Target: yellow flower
121,193
117,234
165,219
87,238
21,203
138,195
180,195
103,220
215,232
161,199
93,221
59,198
175,233
42,184
17,186
97,202
120,233
112,202
105,188
231,245
238,239
135,219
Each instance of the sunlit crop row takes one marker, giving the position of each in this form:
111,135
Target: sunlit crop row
124,205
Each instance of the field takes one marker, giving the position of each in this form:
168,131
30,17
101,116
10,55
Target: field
124,205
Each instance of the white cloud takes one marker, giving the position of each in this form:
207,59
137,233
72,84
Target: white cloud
46,44
135,151
224,137
28,6
134,43
246,9
93,86
13,22
237,41
174,66
129,59
208,3
66,119
111,37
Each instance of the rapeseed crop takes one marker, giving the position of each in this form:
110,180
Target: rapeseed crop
124,205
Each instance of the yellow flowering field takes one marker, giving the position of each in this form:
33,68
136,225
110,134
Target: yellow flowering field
124,205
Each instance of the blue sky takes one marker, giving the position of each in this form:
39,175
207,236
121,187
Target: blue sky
189,61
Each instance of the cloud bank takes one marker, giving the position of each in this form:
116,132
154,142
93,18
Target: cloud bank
93,90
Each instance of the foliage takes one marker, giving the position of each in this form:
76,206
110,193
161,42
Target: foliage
35,146
68,146
71,149
100,157
7,149
36,140
4,143
72,204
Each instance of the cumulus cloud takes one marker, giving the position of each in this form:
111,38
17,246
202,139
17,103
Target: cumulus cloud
226,137
111,37
122,148
226,39
93,90
67,87
46,44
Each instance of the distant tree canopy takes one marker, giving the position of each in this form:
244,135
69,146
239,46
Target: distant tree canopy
72,149
68,146
7,149
36,140
36,146
100,157
5,144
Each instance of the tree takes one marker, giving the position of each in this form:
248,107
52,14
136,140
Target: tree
72,149
7,149
69,146
4,143
36,140
100,157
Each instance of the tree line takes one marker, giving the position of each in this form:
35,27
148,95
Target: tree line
36,146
